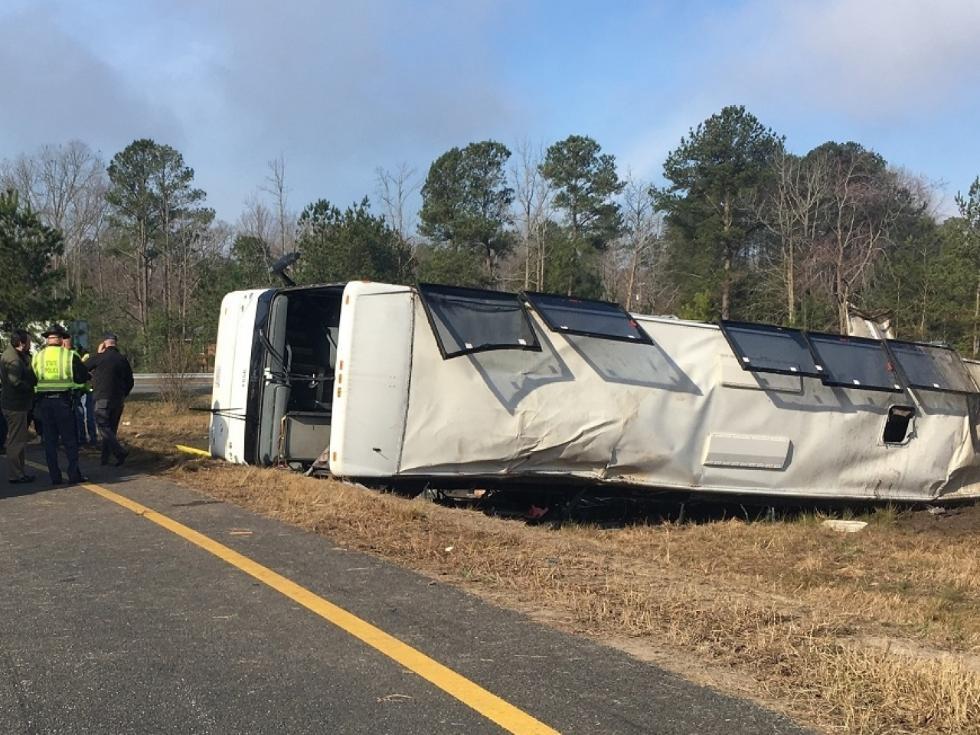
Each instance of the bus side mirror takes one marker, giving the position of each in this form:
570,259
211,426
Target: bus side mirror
285,262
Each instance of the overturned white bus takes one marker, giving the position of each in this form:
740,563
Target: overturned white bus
370,380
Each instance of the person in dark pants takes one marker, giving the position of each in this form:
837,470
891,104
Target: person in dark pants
89,406
81,395
16,397
3,427
112,382
58,371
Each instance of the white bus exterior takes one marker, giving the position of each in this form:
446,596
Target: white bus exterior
373,380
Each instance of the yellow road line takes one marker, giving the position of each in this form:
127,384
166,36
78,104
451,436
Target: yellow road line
193,450
489,705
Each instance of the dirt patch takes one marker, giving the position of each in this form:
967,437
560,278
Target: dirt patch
948,521
785,611
918,651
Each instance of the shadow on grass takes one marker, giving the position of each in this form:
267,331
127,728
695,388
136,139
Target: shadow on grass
156,428
613,507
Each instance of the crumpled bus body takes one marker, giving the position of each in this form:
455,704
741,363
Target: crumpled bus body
380,381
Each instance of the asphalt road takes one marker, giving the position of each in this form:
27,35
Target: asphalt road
110,623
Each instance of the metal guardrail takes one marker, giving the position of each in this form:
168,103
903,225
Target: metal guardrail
159,376
150,383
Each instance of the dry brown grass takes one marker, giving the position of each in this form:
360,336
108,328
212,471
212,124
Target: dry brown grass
875,632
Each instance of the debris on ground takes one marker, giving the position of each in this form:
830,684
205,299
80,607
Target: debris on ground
844,526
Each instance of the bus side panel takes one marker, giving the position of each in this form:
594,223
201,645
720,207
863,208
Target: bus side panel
233,354
372,380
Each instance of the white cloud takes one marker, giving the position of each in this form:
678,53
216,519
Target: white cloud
839,66
339,88
869,59
56,89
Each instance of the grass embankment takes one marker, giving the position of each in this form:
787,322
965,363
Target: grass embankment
873,632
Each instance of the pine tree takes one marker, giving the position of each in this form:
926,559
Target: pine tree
717,177
30,290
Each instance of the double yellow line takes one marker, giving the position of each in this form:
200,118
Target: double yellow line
492,707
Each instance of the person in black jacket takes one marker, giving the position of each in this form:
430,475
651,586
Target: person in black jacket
112,382
17,381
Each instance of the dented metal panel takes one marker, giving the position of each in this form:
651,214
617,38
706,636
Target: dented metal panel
745,450
644,414
676,412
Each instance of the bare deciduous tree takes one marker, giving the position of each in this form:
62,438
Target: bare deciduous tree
394,189
793,213
532,210
640,244
257,221
66,186
861,208
275,185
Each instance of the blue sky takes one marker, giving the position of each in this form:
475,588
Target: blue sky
340,89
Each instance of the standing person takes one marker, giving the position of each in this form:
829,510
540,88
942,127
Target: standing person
3,428
89,407
17,383
112,382
79,392
58,371
85,414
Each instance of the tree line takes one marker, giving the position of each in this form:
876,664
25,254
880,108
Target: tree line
743,228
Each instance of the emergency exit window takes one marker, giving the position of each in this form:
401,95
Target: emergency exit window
767,348
932,367
468,320
854,362
587,317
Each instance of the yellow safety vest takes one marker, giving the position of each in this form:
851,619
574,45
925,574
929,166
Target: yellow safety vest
52,366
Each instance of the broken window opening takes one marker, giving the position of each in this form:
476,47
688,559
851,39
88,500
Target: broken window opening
854,362
767,348
932,367
468,320
587,317
898,425
299,359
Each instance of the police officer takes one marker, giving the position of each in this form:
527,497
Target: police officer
58,371
112,378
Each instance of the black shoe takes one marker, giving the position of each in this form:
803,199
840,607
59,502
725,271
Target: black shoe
59,481
23,480
121,458
77,480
